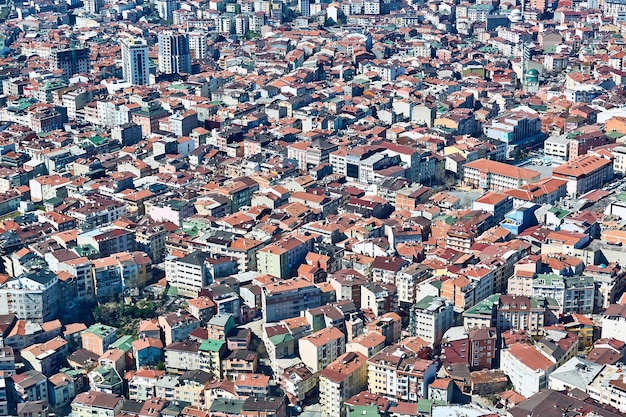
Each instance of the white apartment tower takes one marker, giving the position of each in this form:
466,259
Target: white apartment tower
198,45
174,54
93,6
135,66
166,8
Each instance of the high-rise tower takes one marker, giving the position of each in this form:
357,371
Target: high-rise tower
135,67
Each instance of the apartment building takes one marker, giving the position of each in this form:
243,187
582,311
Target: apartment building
396,372
142,384
430,318
496,204
614,322
283,299
108,240
319,349
177,326
340,380
298,382
282,258
32,296
609,387
98,337
497,176
189,274
97,404
519,313
47,357
527,368
574,294
584,173
29,386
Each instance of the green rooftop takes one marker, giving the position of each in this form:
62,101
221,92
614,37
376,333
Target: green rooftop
124,343
85,250
559,213
614,135
424,302
226,406
281,338
437,284
447,219
549,280
363,410
483,308
97,140
101,330
424,406
621,196
212,345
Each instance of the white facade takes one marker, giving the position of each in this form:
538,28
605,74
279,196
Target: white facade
430,318
198,45
174,54
135,67
527,381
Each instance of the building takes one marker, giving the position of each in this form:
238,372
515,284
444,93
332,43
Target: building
496,204
282,258
165,8
142,384
97,404
497,176
93,6
189,274
482,347
397,372
29,386
47,357
198,45
574,294
98,338
614,322
430,318
174,53
177,326
518,130
584,173
283,299
609,387
321,348
32,296
108,240
135,65
340,380
74,60
519,313
298,382
557,148
527,368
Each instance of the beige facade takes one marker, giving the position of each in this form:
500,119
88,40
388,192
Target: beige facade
345,377
321,348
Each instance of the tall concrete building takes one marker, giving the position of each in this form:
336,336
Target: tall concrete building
198,46
71,60
135,66
93,6
166,8
174,54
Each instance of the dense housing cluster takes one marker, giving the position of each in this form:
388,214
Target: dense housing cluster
266,208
